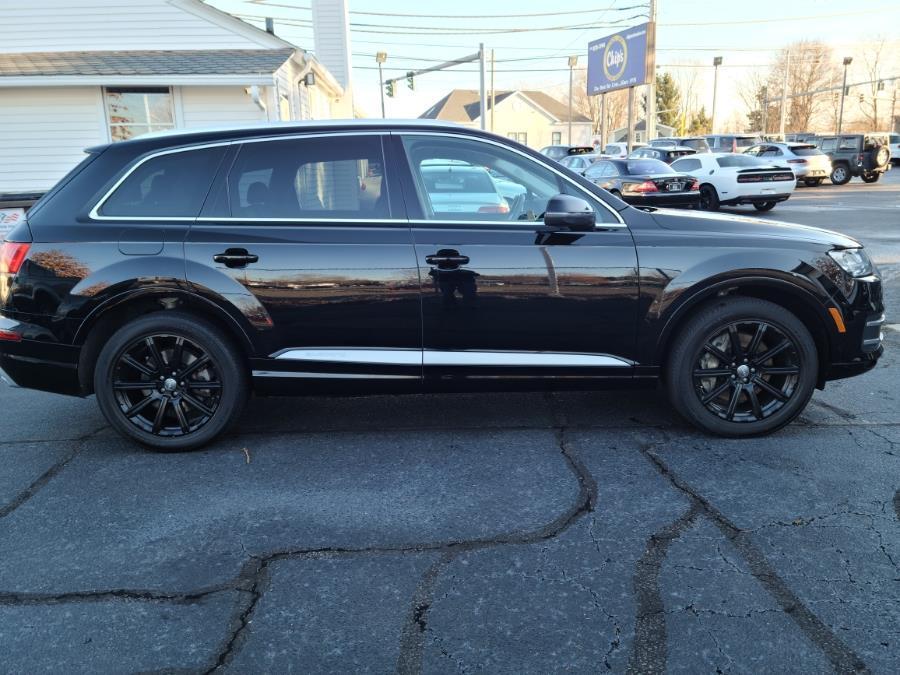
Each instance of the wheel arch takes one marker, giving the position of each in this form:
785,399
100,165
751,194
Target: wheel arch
795,299
105,320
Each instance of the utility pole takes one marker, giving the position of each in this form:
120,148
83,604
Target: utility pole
493,93
630,119
483,92
765,112
381,57
652,113
847,61
891,123
784,96
717,61
602,121
573,61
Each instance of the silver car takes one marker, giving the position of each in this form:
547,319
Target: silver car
462,188
579,163
810,165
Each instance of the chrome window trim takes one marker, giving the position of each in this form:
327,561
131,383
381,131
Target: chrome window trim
436,357
489,141
332,376
95,214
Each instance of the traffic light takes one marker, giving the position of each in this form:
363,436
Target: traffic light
409,80
389,88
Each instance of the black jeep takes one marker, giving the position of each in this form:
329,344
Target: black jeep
864,155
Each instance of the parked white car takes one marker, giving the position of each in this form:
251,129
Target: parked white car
809,164
618,150
730,179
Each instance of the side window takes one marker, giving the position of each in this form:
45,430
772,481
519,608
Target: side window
849,143
686,165
329,177
459,179
173,185
754,151
829,144
596,170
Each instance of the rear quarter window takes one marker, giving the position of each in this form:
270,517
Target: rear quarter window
173,185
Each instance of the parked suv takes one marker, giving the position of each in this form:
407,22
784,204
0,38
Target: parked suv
173,275
731,142
697,143
864,155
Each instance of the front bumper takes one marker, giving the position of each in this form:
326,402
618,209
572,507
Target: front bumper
859,347
36,362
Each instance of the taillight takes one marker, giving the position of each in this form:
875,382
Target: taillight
10,336
861,158
493,208
796,161
12,255
695,185
641,188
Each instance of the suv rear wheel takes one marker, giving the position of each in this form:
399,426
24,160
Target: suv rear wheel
871,177
170,381
742,367
840,174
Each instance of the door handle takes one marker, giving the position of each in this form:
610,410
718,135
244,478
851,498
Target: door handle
454,259
235,257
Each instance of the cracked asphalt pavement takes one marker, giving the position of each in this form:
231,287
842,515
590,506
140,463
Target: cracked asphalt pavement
513,533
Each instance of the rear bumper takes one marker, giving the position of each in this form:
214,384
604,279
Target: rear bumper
35,362
757,199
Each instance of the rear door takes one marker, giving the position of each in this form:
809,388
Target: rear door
306,240
505,298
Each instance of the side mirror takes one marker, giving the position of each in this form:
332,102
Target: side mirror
571,213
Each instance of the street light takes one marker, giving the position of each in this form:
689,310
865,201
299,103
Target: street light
717,61
381,57
847,61
573,61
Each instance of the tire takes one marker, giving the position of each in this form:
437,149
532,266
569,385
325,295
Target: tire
764,206
812,182
174,412
871,177
709,198
881,156
735,412
840,174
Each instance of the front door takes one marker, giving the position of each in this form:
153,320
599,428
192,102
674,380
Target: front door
304,237
503,296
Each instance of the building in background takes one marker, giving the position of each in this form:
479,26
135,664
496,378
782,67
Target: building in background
640,132
530,117
87,72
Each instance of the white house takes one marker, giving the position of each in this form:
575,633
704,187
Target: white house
530,117
77,73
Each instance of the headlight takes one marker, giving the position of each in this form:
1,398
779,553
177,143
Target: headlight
854,261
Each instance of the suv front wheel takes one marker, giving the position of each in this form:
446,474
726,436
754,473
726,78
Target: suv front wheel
170,381
840,174
742,367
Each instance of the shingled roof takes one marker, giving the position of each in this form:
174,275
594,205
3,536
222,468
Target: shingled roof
137,63
463,105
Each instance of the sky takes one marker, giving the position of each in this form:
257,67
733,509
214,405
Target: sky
689,34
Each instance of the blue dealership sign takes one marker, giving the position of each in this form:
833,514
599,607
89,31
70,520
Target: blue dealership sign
625,59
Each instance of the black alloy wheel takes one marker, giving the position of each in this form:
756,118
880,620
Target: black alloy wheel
764,206
166,385
746,371
741,367
812,182
709,198
170,381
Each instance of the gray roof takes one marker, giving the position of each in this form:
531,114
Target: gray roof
131,63
463,105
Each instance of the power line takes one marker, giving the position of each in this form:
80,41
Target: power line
787,19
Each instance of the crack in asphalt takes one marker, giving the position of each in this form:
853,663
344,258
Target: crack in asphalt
897,503
649,651
412,637
48,475
842,658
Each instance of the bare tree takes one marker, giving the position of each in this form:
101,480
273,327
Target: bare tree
686,79
809,66
873,59
589,105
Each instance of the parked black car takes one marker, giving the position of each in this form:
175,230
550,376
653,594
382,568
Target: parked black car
664,154
696,143
645,182
864,155
557,152
174,274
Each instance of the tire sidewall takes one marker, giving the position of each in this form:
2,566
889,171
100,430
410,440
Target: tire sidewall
224,355
679,371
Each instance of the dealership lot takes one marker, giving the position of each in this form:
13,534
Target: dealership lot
505,533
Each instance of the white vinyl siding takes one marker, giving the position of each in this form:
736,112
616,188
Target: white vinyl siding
101,25
43,134
218,106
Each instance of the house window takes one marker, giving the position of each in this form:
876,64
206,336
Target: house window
556,138
520,136
137,110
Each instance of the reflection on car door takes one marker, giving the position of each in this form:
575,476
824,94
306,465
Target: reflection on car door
505,297
308,236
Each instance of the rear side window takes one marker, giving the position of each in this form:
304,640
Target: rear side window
335,177
806,150
849,143
739,161
173,185
829,144
686,165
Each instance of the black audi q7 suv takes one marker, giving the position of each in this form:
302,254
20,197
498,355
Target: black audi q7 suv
172,275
